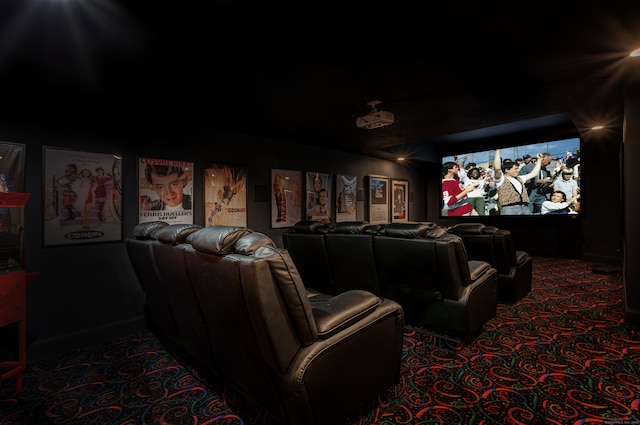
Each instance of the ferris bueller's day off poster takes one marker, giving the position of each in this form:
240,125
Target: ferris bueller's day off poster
165,191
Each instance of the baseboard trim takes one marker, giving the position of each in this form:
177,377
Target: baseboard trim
632,318
43,348
605,259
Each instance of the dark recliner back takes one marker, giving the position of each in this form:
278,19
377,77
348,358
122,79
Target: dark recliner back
478,243
453,266
140,252
218,275
306,245
505,249
406,266
171,266
350,253
497,247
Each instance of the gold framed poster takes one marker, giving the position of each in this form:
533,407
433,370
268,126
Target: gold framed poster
225,194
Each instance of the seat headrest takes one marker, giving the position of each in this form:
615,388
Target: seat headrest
493,230
351,227
436,232
307,227
218,239
176,233
144,230
249,243
468,228
406,230
373,229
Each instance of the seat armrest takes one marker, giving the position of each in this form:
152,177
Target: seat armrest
522,256
335,313
477,269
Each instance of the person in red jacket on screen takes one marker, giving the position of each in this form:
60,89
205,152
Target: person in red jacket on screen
454,194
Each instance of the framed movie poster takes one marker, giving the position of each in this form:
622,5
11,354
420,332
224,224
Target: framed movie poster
399,201
285,198
318,188
225,195
11,167
165,191
346,197
377,193
82,197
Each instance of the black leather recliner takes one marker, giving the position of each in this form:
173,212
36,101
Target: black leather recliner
419,265
497,247
304,356
442,289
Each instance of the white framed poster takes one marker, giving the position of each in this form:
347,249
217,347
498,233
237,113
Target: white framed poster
165,191
377,192
82,197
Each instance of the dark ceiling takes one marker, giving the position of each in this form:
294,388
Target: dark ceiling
302,72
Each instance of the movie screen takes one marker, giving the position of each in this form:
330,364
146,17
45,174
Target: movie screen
533,179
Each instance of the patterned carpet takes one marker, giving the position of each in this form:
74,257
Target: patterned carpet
562,355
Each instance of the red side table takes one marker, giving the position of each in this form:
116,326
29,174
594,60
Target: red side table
13,287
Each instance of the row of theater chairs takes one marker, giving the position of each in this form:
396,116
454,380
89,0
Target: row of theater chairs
497,247
422,266
232,303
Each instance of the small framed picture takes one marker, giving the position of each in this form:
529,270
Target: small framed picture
82,197
318,188
225,194
377,194
399,200
346,197
286,207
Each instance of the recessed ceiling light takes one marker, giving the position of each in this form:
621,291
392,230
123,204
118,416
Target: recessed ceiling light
635,53
597,127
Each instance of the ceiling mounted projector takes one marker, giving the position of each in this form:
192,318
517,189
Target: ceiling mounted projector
375,118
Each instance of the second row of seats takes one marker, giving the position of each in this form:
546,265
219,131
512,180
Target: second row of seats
420,265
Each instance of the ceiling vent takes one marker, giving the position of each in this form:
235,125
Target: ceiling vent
375,118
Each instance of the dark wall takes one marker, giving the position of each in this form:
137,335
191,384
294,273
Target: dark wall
631,275
88,293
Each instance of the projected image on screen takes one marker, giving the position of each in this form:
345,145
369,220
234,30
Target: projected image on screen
534,179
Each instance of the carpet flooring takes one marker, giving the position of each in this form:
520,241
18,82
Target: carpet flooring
561,355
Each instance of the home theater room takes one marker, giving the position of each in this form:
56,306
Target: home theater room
243,212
